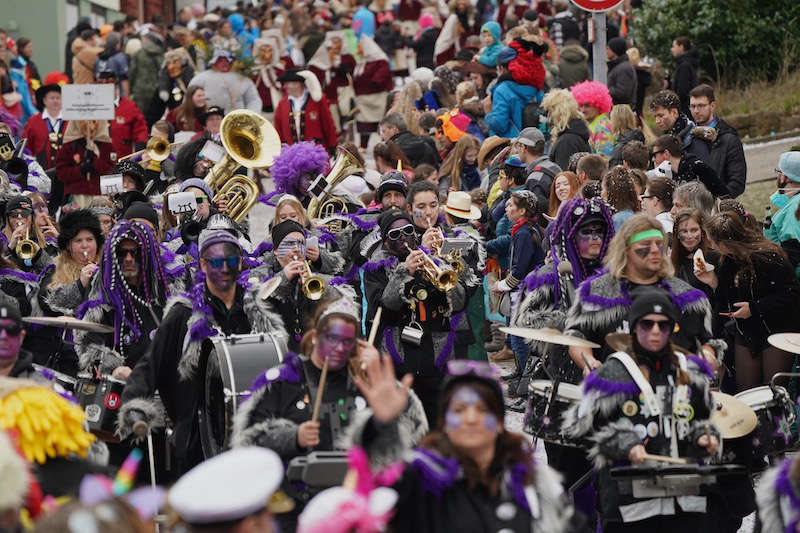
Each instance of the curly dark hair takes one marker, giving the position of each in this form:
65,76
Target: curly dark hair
620,192
666,99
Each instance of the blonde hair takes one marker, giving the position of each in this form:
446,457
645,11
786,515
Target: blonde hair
623,119
561,107
617,256
67,269
633,55
454,163
407,109
296,205
465,91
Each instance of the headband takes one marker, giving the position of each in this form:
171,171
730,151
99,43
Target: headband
648,234
342,306
102,210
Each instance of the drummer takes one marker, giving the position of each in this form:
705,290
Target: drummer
580,238
220,302
637,259
279,414
648,400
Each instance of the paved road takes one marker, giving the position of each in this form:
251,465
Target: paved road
762,158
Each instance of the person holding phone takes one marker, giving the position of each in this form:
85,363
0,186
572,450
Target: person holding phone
756,286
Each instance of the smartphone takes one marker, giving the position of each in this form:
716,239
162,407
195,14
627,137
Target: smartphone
312,242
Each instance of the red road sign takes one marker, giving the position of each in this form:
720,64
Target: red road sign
596,5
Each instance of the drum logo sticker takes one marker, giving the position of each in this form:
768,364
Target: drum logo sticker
112,401
683,412
88,389
93,412
630,408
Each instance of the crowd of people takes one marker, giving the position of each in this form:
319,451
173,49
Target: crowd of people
462,224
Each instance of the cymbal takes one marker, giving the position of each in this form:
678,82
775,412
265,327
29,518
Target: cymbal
553,336
68,322
788,342
621,342
269,287
732,416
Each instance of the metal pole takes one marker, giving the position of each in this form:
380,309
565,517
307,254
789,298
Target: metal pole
599,48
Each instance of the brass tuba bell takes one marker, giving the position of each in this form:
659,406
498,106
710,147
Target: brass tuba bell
249,141
327,204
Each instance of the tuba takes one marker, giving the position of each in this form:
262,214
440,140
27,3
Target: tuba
313,284
443,278
249,141
324,204
26,248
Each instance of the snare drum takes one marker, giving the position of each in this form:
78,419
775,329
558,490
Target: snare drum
100,398
61,382
232,366
545,423
775,412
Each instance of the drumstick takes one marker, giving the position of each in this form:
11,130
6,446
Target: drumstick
375,322
586,361
665,459
318,399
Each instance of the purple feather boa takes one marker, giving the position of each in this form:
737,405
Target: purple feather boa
388,342
595,382
534,280
374,266
447,349
351,275
517,485
363,225
289,371
681,300
262,248
266,198
433,480
705,368
83,308
30,277
325,236
51,376
785,487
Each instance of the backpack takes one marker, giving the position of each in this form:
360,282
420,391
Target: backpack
533,116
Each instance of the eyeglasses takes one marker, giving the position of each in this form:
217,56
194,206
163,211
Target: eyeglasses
396,233
216,262
200,199
20,213
656,152
663,325
467,367
346,342
122,253
11,331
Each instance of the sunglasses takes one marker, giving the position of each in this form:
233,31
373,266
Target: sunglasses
645,196
665,326
11,331
396,233
216,262
653,154
20,213
346,342
201,199
122,253
467,367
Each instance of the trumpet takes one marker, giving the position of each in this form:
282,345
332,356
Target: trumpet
444,279
26,248
313,284
157,148
455,261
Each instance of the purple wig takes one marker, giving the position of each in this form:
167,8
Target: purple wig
294,162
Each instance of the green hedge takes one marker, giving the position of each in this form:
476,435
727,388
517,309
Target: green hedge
740,40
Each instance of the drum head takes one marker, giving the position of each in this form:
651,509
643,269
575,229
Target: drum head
229,370
566,391
757,397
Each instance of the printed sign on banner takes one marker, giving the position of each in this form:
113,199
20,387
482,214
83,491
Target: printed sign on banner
87,102
182,202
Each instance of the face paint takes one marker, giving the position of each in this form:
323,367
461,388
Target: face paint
291,245
590,240
490,422
644,251
10,340
650,338
336,343
452,420
466,395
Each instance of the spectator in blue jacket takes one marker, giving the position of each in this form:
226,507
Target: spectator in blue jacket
507,100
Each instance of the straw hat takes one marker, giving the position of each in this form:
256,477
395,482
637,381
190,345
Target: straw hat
487,146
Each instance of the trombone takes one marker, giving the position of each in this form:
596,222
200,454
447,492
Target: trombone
313,284
157,148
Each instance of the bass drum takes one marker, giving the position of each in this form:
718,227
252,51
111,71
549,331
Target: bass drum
232,366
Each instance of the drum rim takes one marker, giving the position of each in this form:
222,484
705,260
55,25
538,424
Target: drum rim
104,377
561,387
754,391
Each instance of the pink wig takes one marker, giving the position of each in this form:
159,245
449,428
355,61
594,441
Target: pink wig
592,93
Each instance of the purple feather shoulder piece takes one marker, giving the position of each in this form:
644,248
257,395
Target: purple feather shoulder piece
436,473
595,382
289,371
